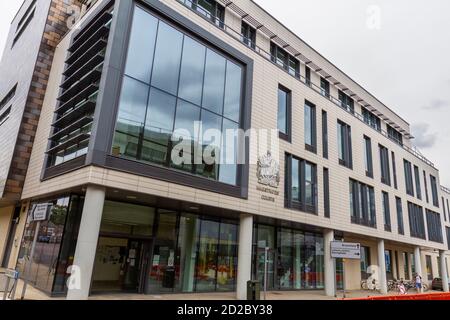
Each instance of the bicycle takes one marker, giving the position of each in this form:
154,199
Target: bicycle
370,285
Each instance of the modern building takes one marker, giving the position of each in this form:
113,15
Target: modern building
123,81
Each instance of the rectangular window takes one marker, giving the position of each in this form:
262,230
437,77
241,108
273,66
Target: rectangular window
434,190
434,226
347,103
394,170
401,229
6,99
344,144
326,192
325,87
394,135
406,265
429,267
386,212
301,185
362,204
365,262
248,34
368,162
448,209
384,162
284,113
211,10
408,178
325,134
285,60
308,75
371,119
418,187
426,186
447,231
310,127
416,221
443,207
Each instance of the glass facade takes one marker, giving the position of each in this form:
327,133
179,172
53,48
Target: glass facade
172,82
295,258
55,247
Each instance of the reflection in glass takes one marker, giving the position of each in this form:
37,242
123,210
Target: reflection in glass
187,252
213,94
285,262
233,92
265,239
211,123
207,254
158,127
282,111
166,67
130,121
141,47
295,180
192,69
229,151
227,257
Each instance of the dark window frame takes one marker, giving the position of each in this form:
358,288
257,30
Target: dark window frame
248,34
434,191
434,226
325,87
326,192
400,223
416,221
300,205
417,181
324,134
346,144
313,125
368,156
384,165
371,119
386,211
409,184
427,197
288,134
394,170
362,204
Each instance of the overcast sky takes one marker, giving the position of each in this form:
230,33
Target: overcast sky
397,49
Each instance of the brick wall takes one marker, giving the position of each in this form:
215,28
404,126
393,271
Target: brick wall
55,29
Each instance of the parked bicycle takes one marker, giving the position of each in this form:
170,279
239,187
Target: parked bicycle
370,285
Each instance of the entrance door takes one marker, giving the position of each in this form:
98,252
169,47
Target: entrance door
120,265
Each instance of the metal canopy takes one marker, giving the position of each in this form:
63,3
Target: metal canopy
282,43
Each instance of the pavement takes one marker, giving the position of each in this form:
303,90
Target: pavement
35,294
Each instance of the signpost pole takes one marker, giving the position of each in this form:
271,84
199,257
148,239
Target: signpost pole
335,276
343,277
266,261
28,267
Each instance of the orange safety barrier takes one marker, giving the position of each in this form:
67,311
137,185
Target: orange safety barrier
423,296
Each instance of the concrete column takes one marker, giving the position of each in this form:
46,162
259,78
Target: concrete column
330,273
382,267
244,256
443,271
87,243
417,262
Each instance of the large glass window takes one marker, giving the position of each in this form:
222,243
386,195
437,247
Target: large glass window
408,177
434,226
416,221
182,83
371,119
301,186
417,178
299,258
362,204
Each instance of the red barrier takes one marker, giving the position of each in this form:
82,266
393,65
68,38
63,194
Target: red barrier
424,296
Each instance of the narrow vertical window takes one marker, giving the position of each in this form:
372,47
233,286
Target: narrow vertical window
308,75
310,127
326,192
394,170
425,183
248,35
368,162
434,190
284,112
401,229
443,209
384,162
325,134
418,187
408,178
386,212
344,144
325,87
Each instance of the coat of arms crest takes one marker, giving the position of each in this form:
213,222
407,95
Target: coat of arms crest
268,171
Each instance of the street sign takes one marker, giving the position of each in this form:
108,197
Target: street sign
40,211
346,250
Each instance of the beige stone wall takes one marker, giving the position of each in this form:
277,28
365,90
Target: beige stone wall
266,77
6,214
